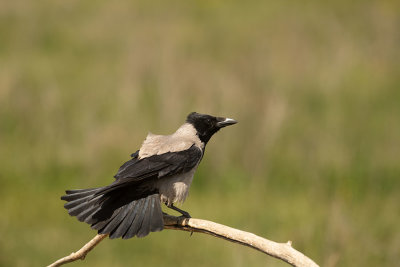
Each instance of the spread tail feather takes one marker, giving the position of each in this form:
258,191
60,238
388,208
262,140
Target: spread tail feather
114,213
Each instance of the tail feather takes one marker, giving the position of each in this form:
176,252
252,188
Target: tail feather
100,224
76,202
123,227
85,216
157,220
83,206
144,228
79,193
137,222
115,213
75,191
151,220
114,223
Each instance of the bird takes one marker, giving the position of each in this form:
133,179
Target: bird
160,172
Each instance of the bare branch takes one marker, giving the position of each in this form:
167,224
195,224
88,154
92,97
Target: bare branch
282,251
80,254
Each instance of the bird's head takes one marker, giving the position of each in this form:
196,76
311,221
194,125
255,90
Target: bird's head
207,125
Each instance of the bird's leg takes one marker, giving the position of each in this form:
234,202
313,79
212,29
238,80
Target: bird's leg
184,213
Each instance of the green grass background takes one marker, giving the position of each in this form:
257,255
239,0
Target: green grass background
315,158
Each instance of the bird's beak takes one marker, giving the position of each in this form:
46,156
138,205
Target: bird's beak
226,122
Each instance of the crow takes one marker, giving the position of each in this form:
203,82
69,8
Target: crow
161,171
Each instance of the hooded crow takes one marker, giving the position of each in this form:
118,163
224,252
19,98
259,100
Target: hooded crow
160,171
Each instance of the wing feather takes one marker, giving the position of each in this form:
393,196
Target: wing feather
166,164
154,167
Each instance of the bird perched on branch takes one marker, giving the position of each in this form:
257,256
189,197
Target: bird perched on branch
160,171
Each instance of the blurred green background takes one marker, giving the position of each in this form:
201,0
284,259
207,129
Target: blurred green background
315,158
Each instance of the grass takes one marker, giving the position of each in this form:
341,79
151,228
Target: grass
314,159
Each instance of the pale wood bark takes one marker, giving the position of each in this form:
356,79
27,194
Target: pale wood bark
282,251
80,254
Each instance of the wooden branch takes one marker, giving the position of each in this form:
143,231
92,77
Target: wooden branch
282,251
80,254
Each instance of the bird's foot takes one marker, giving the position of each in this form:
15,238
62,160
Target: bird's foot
185,214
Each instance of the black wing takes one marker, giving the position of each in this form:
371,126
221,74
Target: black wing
166,164
139,170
